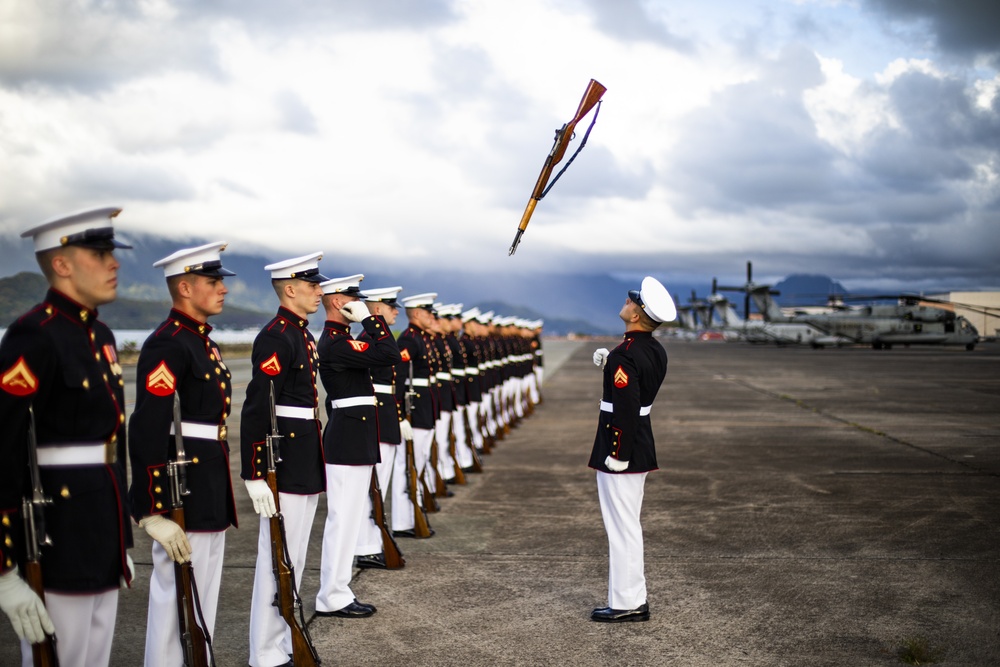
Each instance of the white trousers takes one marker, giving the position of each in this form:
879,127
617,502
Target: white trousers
346,501
532,381
621,504
370,537
85,626
163,643
472,411
270,637
519,395
462,451
445,463
488,411
402,508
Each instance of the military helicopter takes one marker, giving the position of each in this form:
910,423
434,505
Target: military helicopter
912,320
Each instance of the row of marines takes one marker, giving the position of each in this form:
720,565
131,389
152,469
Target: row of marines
65,514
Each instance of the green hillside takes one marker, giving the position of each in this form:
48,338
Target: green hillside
21,292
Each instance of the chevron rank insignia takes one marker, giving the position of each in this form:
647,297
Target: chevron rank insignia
621,378
405,354
272,366
161,382
358,345
18,380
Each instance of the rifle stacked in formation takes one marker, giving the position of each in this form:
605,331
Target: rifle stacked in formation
286,595
420,526
195,641
33,511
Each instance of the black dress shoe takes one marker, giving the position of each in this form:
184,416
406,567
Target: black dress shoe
372,562
609,615
353,610
409,533
365,604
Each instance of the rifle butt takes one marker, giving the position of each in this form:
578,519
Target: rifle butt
453,450
390,550
303,653
43,654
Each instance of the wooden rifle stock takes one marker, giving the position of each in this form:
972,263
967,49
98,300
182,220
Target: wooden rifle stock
285,594
440,489
477,464
393,556
453,451
564,135
43,654
420,525
194,641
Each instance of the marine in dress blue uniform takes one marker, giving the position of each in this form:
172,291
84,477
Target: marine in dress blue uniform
452,322
391,468
180,357
284,356
624,451
415,351
350,440
471,350
61,360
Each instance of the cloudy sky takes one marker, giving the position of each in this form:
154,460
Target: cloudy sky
856,138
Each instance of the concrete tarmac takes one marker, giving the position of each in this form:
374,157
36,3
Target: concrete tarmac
812,508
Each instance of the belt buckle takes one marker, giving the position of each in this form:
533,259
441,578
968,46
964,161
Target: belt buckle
223,432
316,413
111,450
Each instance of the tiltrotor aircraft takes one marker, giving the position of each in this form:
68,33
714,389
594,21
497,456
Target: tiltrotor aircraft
912,320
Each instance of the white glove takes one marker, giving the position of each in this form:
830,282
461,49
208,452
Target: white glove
26,610
405,430
355,311
614,465
131,572
600,356
170,536
263,499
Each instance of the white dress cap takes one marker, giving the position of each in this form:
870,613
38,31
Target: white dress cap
91,229
470,314
425,301
656,300
203,260
304,268
349,285
485,318
383,294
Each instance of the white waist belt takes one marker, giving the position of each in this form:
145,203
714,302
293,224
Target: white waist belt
418,382
458,371
383,389
352,401
471,370
609,407
294,412
72,455
444,376
201,431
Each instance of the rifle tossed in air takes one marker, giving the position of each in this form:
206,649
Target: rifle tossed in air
33,511
591,97
286,594
196,643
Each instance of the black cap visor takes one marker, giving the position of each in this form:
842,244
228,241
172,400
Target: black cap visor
211,269
98,238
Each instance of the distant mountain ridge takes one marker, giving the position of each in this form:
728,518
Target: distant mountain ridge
569,303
